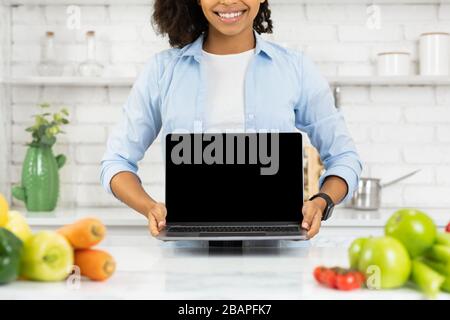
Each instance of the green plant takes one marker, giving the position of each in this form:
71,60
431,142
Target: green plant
47,126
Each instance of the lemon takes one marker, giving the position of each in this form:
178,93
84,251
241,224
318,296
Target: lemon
18,225
4,208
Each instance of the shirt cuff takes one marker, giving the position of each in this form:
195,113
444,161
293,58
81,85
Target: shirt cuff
348,174
108,172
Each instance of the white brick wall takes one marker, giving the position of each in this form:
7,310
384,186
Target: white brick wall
362,33
89,154
396,129
338,13
5,126
130,14
444,12
403,95
443,175
405,134
341,52
89,14
443,133
411,13
98,114
29,15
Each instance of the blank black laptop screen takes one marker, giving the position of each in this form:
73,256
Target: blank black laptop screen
234,177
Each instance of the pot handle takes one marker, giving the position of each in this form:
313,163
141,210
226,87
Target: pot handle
387,184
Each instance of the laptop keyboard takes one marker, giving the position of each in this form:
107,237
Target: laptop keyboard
216,229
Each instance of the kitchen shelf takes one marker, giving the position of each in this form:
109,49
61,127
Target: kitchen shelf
71,81
390,81
128,81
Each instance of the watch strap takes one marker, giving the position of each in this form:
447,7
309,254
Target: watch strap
329,201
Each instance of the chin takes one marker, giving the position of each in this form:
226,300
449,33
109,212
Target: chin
229,31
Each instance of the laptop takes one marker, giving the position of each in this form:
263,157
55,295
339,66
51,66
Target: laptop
234,186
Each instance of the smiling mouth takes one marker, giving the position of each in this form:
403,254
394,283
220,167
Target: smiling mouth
230,17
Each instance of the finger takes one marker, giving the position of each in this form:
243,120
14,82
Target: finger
315,226
153,229
164,209
308,215
158,212
163,214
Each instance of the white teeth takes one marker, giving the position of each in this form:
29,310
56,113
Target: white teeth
230,15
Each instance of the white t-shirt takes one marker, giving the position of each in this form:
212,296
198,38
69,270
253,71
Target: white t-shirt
225,94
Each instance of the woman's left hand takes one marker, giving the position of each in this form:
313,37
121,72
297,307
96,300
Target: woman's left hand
312,216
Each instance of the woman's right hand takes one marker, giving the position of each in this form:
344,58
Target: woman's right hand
157,218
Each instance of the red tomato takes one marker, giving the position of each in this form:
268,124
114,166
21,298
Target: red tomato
447,229
329,278
318,273
339,278
360,278
347,281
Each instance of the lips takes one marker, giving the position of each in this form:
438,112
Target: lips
230,16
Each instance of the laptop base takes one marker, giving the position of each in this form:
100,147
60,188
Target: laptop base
225,244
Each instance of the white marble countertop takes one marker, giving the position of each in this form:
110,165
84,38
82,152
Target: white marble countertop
150,269
342,217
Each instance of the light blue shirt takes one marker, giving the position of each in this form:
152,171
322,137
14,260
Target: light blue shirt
284,91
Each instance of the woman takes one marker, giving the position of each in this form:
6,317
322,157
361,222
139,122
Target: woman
220,74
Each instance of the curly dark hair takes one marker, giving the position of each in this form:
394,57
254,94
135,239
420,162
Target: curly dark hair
183,20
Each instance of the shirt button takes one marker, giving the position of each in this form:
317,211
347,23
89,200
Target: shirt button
251,116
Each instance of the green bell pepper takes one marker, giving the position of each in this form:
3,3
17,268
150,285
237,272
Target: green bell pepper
11,248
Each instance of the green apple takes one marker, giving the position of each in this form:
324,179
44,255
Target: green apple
47,256
18,225
413,228
354,251
389,258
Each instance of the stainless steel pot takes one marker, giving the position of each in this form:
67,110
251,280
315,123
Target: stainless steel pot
368,194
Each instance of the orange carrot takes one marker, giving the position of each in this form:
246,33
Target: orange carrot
84,233
95,264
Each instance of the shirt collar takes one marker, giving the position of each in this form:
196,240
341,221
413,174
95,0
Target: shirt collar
195,48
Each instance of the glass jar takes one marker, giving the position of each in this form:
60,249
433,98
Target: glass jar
91,67
48,65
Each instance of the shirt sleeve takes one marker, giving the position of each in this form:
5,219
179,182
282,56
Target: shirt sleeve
137,129
317,116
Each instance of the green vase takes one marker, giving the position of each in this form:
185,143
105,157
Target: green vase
40,179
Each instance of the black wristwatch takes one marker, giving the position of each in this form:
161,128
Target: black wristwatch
330,205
